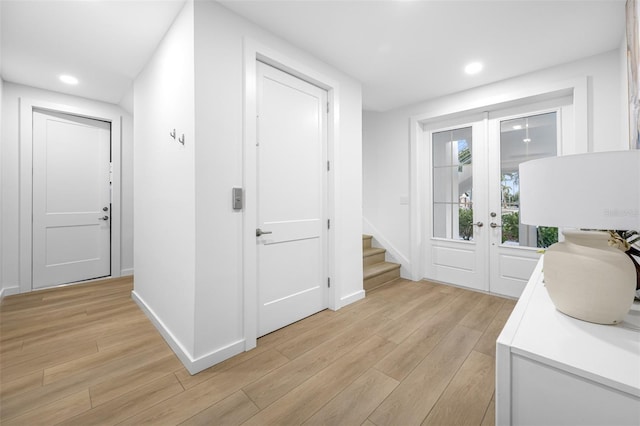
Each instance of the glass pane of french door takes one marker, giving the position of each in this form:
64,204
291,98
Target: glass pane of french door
453,184
523,139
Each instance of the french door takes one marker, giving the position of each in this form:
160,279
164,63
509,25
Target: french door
474,237
456,238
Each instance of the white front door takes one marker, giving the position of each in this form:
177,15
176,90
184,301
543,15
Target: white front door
514,248
71,199
455,250
473,235
291,228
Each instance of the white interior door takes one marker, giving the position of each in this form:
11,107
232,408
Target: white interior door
71,199
292,226
456,237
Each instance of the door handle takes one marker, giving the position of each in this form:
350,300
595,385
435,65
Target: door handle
479,224
495,225
260,232
104,218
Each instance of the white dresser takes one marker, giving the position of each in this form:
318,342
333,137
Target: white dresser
552,369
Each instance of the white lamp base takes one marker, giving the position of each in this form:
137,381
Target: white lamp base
589,280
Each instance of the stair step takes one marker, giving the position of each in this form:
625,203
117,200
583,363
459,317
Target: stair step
380,273
375,270
366,241
373,255
379,268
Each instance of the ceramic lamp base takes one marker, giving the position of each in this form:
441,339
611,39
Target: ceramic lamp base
588,280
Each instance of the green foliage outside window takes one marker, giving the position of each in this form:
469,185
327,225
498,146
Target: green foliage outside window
464,156
465,221
547,236
510,227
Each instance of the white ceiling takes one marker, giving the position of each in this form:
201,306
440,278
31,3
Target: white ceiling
104,43
403,52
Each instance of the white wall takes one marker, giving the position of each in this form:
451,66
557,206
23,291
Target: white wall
188,251
219,167
126,194
164,185
624,88
386,136
385,157
11,173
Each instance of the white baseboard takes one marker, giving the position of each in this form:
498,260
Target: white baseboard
8,291
193,365
217,356
126,272
351,298
392,251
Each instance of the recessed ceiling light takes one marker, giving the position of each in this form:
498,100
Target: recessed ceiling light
517,127
473,68
526,140
69,79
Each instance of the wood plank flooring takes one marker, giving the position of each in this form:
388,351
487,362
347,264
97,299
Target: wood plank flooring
410,353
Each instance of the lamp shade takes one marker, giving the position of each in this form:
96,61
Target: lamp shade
593,191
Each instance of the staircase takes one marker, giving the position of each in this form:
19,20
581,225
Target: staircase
376,270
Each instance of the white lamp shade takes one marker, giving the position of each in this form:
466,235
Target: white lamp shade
591,191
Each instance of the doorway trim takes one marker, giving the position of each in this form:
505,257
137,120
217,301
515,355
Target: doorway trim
577,87
253,52
26,108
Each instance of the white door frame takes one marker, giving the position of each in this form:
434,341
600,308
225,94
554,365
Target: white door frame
26,181
577,87
254,51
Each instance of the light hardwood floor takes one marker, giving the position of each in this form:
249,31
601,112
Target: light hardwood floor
409,353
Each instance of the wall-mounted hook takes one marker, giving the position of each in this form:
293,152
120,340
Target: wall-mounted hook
181,139
173,134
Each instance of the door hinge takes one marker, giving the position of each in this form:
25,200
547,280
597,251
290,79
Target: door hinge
328,282
328,223
327,107
328,165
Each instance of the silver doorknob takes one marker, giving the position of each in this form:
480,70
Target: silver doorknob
260,232
104,218
479,224
495,225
